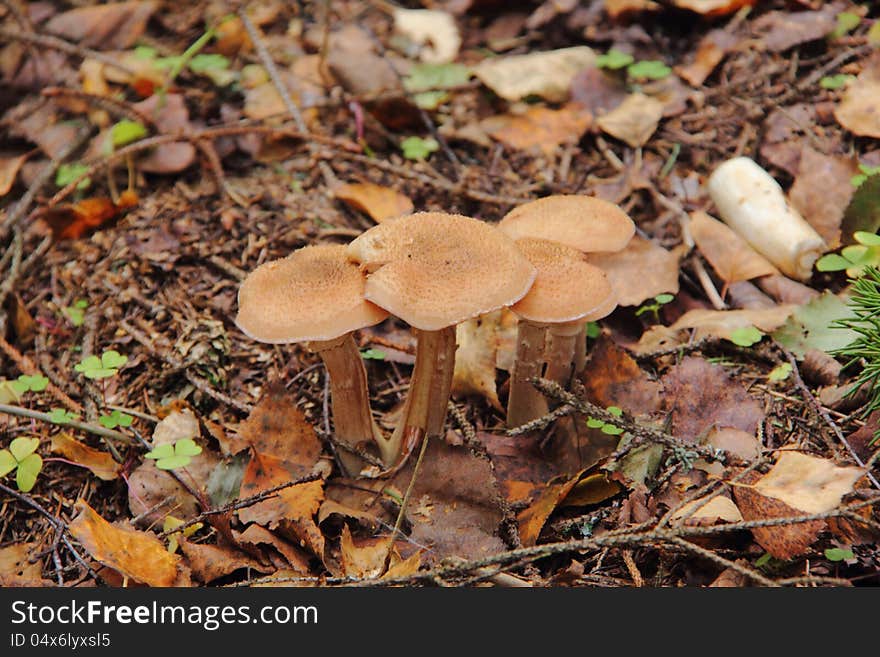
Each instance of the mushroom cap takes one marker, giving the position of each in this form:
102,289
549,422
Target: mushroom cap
435,270
313,294
567,289
585,223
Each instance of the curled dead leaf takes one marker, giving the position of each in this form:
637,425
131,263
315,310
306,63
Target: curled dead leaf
475,357
540,128
379,202
100,463
634,120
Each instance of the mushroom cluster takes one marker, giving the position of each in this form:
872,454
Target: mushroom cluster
434,270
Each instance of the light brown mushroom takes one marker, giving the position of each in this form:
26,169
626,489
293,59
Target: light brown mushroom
316,295
434,270
567,292
585,223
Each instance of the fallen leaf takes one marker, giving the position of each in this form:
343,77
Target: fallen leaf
859,109
781,541
785,135
730,255
735,441
822,191
547,74
714,7
73,221
136,554
365,558
810,484
255,536
730,578
111,26
43,127
613,378
863,211
475,357
724,323
170,116
700,395
532,519
459,488
540,128
639,272
634,120
263,101
781,30
718,508
16,568
597,90
432,29
379,202
9,166
624,8
210,562
177,425
99,462
277,428
292,509
810,326
710,51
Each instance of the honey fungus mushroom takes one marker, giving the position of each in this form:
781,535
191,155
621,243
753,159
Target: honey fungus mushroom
316,296
582,222
567,292
434,270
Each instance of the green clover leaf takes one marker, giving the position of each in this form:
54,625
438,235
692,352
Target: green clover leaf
170,456
76,313
416,148
106,366
614,60
126,132
7,462
26,383
67,173
28,469
745,336
61,416
115,419
652,69
21,457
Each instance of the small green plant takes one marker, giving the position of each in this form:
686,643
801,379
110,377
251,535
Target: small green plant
780,373
854,258
171,456
614,60
61,416
835,81
847,21
606,427
649,69
373,354
745,336
866,172
839,554
103,367
654,306
593,330
127,131
416,148
115,419
76,314
26,383
22,457
67,173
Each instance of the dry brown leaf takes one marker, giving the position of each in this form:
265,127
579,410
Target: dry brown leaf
171,116
710,51
613,378
739,443
730,255
379,202
365,558
432,29
781,541
406,568
43,127
639,272
116,25
634,120
458,492
177,425
622,8
263,101
547,74
330,508
718,508
137,555
730,578
532,519
540,128
9,166
99,462
475,357
593,488
597,90
821,191
859,110
783,29
210,562
16,568
255,536
292,510
701,395
808,483
714,7
277,428
723,323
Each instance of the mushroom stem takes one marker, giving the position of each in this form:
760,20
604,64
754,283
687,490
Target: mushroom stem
424,412
580,351
349,397
525,402
561,350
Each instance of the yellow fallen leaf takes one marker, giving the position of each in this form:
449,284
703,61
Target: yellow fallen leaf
808,483
99,462
475,358
547,74
722,323
718,508
380,203
858,112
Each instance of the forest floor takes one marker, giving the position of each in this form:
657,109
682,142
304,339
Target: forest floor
149,161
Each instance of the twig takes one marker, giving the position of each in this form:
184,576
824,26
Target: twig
75,424
402,512
541,422
57,43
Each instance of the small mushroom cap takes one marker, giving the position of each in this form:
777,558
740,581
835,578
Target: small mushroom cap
567,289
585,223
435,270
314,294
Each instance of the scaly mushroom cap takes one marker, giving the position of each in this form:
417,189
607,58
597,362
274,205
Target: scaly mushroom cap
435,270
582,222
567,288
313,294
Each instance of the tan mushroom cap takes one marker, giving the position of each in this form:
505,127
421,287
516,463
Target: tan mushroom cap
567,289
314,294
585,223
435,270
